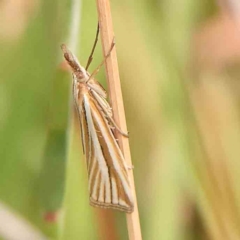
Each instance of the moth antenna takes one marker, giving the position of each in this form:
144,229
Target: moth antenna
103,61
94,46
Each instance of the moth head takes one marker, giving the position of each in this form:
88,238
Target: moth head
72,61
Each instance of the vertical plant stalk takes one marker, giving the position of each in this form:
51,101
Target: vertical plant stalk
115,94
74,29
75,24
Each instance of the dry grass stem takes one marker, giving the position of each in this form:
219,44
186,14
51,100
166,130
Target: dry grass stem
115,94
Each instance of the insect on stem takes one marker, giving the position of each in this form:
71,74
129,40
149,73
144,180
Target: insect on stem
109,187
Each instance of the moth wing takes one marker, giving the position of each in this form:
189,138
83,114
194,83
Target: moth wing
108,178
78,105
96,86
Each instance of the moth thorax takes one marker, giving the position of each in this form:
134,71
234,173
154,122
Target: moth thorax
82,87
81,76
81,79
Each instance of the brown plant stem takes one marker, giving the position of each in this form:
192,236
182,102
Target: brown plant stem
115,94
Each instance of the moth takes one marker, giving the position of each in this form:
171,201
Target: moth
108,185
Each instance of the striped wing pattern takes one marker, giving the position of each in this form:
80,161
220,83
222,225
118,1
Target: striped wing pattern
107,171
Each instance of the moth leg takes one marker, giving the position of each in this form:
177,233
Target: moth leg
116,126
106,114
93,49
101,64
130,167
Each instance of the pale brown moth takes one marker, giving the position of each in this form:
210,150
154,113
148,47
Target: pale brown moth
109,185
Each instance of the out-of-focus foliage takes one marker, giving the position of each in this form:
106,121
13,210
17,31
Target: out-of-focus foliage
178,64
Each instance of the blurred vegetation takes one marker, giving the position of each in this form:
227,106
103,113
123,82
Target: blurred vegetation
179,69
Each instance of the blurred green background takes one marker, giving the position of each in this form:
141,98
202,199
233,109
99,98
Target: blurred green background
179,69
